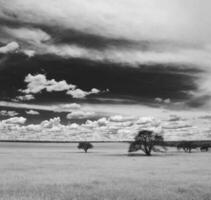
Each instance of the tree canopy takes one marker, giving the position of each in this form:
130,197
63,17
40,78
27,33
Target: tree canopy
85,146
147,141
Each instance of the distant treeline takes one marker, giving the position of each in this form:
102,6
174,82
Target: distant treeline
167,143
194,142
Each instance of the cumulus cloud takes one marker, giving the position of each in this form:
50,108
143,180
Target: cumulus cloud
32,112
78,93
39,82
51,123
9,113
104,129
14,120
9,48
26,97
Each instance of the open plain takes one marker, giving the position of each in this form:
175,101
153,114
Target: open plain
33,171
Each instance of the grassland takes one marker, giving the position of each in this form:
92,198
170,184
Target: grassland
62,172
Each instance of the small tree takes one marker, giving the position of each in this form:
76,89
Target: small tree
187,146
204,147
147,141
85,146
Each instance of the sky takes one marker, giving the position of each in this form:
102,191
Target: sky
75,65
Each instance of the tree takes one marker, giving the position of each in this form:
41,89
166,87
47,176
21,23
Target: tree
187,146
147,141
204,147
85,146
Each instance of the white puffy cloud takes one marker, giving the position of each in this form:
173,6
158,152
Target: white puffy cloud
15,120
26,97
32,112
8,113
104,129
51,123
39,82
78,93
9,48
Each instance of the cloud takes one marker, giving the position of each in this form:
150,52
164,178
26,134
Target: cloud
78,93
32,112
155,33
149,20
104,129
80,115
37,83
29,53
14,120
174,117
8,113
120,118
55,108
135,56
26,97
31,106
9,48
160,100
71,106
51,123
31,36
127,32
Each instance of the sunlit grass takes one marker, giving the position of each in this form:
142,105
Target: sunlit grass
61,171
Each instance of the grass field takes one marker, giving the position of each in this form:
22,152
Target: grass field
62,172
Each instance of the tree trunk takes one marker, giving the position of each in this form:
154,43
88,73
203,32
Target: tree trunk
147,151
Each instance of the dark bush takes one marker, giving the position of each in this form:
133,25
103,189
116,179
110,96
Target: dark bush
204,147
187,146
85,146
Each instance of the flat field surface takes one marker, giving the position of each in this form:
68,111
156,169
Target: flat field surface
62,172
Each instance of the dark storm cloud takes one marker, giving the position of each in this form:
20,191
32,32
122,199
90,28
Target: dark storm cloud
139,49
123,82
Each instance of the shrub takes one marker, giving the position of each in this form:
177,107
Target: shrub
204,147
147,141
187,146
85,146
